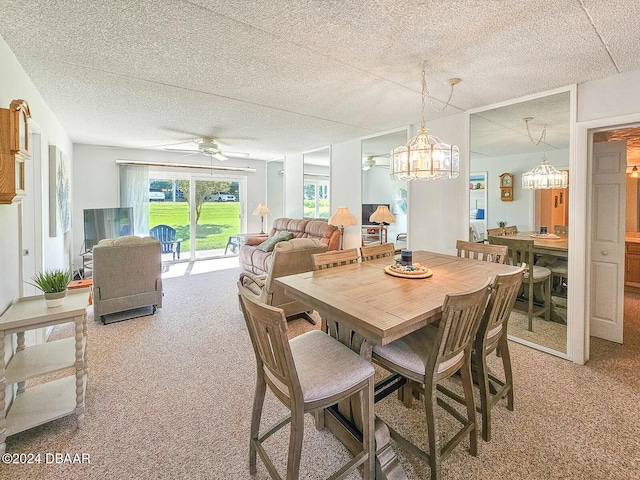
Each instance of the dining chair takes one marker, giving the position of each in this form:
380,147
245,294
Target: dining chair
482,251
495,231
336,258
561,229
535,277
371,252
510,230
492,336
309,373
428,356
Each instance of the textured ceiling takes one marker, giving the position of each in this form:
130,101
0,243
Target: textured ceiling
274,77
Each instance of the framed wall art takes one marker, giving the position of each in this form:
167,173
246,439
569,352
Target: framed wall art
59,192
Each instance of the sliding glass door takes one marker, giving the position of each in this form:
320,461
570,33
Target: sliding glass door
205,212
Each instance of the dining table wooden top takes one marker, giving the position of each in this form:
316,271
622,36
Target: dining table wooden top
382,307
554,244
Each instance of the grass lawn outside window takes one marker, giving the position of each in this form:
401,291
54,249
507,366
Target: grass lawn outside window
218,221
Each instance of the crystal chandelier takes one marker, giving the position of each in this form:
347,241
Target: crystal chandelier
425,156
544,176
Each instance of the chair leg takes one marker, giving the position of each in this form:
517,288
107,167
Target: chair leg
430,404
295,444
547,314
480,362
508,375
368,418
256,414
467,384
530,309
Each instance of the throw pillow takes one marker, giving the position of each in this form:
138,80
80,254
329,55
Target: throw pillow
269,243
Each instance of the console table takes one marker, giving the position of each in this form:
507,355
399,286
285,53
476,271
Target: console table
48,401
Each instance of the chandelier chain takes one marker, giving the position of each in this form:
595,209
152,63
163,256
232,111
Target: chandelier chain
425,94
543,135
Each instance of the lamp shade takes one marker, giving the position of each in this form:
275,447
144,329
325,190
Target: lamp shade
262,209
342,216
382,215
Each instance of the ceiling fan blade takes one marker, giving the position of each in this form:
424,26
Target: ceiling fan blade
219,156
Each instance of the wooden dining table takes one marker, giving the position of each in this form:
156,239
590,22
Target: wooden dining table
382,308
556,244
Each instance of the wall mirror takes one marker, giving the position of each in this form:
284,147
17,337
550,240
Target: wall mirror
317,173
503,146
378,188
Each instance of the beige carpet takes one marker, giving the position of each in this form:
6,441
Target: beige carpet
169,397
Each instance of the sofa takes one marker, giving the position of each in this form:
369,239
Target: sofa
288,258
257,260
126,277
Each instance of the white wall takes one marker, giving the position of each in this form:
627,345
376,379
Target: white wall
346,185
96,181
275,188
293,177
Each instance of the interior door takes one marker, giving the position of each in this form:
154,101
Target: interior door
607,240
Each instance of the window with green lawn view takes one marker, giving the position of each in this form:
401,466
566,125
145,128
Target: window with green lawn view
316,199
216,211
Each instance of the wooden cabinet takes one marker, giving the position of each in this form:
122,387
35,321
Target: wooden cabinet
14,149
47,401
632,266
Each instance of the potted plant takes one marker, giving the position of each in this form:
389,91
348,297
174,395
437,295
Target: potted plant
502,224
53,284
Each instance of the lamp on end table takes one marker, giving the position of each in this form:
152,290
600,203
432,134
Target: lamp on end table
382,215
262,210
341,218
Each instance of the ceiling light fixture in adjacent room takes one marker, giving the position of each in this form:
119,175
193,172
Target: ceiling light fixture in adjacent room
425,156
544,176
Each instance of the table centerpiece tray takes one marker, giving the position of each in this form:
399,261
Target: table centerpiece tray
550,236
409,271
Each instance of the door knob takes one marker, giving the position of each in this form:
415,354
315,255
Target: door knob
604,252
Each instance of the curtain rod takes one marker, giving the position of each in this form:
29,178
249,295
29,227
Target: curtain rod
139,163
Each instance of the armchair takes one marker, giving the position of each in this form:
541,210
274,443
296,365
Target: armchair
290,257
126,276
166,235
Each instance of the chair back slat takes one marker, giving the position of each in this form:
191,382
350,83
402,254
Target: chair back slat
371,252
335,258
268,331
561,229
495,231
520,251
459,323
502,298
482,251
511,230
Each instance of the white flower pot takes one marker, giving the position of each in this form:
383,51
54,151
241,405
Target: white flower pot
54,299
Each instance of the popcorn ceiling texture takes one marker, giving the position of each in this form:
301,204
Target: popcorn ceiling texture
169,396
271,78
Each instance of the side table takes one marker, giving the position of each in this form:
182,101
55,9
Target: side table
48,401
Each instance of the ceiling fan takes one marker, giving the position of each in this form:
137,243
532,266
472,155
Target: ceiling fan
370,161
205,146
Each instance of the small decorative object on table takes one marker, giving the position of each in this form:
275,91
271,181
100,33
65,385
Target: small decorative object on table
408,271
406,257
53,284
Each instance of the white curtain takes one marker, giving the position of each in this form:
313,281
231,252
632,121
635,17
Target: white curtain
134,192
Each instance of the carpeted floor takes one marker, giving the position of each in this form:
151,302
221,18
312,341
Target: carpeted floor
169,397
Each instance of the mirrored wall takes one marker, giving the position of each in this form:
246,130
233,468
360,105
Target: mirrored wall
379,188
317,173
503,146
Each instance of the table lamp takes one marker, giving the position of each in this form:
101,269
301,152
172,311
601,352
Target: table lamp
262,210
341,218
382,215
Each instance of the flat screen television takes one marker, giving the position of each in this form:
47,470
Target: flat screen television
368,209
100,223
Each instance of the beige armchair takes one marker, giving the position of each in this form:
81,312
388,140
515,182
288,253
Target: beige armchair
290,257
126,276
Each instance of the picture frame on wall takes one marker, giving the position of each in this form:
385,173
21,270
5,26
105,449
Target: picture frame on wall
59,192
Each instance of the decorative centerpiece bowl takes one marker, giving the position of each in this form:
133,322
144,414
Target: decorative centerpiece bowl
53,284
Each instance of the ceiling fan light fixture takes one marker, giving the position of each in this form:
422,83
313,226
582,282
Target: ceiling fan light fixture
425,156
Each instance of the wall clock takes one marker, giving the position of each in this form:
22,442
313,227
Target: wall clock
14,149
506,187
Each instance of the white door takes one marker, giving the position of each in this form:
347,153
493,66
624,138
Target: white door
607,240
